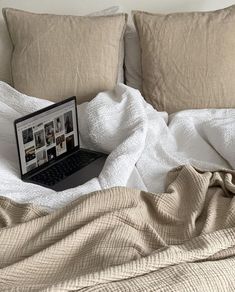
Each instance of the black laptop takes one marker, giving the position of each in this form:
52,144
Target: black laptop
48,148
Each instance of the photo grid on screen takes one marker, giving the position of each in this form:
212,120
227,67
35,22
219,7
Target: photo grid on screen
47,140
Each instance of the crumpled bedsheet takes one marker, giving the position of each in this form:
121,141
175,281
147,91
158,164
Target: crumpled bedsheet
143,144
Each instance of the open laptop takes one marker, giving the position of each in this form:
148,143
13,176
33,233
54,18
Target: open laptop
49,151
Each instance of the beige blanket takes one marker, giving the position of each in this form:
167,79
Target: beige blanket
126,240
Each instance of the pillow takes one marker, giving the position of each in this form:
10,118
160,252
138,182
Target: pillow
6,48
109,11
188,59
56,56
132,60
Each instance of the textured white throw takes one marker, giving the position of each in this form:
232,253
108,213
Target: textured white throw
143,144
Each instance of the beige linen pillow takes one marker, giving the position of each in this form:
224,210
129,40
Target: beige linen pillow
132,63
188,59
55,56
6,47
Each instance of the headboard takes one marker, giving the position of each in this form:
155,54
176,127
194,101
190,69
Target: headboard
81,7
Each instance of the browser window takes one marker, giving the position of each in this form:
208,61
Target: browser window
46,136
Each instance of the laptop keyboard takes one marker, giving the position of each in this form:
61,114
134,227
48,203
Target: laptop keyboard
64,168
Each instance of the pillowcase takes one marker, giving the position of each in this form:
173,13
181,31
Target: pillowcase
6,48
188,59
109,11
132,60
57,56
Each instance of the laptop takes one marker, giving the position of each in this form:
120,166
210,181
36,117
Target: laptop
49,151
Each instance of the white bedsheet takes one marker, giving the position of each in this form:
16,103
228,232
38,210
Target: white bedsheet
143,144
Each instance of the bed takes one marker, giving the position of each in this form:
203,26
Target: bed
161,214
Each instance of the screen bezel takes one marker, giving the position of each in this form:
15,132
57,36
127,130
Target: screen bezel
48,163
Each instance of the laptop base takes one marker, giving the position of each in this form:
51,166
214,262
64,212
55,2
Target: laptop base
79,177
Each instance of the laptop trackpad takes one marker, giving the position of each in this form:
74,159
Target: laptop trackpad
81,176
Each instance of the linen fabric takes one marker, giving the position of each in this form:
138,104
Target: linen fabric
123,239
6,47
188,59
57,56
133,74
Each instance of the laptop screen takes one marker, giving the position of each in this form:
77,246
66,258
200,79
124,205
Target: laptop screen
47,135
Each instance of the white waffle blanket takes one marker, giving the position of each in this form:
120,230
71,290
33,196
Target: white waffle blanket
143,144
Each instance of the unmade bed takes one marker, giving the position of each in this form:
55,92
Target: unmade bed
161,214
